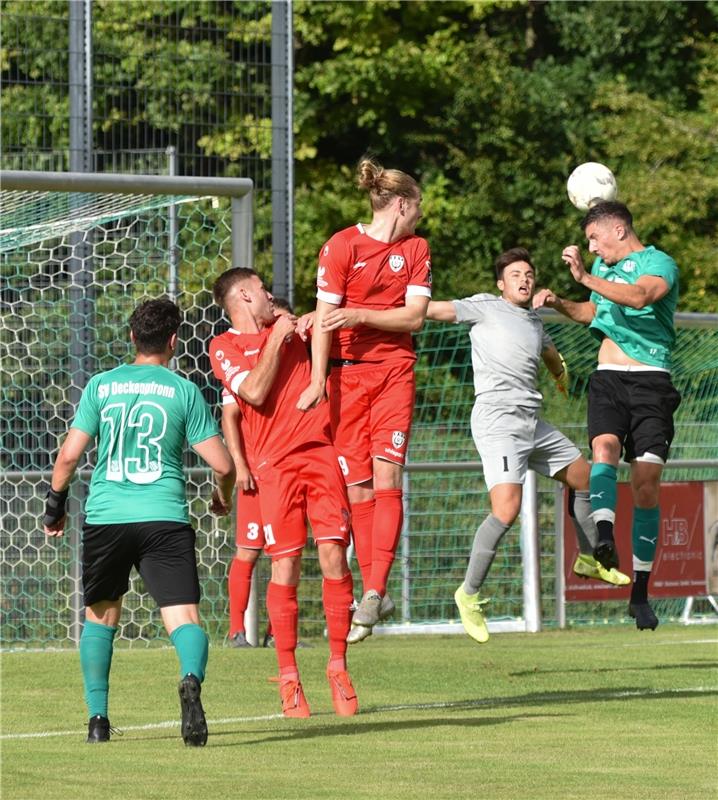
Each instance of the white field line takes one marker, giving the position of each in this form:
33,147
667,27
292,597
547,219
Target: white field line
489,702
73,650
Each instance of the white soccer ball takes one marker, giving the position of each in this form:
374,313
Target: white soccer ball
591,183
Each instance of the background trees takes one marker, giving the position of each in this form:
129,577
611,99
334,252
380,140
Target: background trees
490,104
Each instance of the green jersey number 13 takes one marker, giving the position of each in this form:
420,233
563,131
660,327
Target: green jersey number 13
134,452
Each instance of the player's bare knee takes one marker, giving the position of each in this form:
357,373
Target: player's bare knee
606,449
287,569
332,560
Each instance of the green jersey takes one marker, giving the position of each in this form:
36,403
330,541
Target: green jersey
646,334
141,416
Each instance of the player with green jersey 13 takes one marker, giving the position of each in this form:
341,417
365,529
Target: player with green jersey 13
141,414
631,399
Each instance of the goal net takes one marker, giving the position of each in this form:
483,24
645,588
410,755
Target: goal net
74,265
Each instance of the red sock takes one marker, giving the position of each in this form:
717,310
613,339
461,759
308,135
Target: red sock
388,520
362,522
337,596
238,585
283,611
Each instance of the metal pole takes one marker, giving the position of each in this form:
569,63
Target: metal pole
172,287
282,151
242,231
560,590
80,265
405,554
530,554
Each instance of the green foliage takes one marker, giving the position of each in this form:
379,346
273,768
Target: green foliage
492,105
489,104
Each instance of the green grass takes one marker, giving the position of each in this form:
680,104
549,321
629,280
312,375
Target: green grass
608,712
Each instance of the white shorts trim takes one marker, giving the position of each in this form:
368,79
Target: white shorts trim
650,458
631,368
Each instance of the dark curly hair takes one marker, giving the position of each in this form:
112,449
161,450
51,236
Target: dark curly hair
152,324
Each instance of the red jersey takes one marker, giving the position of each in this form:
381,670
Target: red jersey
356,271
277,427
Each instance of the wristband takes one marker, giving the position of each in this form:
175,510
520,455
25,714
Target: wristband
54,507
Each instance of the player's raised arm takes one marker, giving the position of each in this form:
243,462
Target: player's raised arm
217,457
407,319
256,384
441,311
233,441
321,346
582,312
556,365
68,458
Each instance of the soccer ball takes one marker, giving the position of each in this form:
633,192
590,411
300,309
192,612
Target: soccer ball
591,183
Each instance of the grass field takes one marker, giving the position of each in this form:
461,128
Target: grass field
606,712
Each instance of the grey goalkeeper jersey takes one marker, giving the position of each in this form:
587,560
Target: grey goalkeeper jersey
506,346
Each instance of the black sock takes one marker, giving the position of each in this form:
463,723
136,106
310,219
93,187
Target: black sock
605,531
639,590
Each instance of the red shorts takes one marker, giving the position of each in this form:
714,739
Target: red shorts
306,484
371,408
250,533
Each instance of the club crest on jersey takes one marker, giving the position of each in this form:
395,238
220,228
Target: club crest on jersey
398,439
396,263
219,355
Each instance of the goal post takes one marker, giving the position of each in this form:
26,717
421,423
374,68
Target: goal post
78,251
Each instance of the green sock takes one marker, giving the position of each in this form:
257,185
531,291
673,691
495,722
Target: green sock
603,492
192,647
644,536
95,660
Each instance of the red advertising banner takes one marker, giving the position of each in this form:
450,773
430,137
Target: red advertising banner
679,569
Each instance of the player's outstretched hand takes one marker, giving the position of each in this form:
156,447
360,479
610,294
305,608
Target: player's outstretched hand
218,506
544,297
311,397
284,326
304,325
244,479
572,256
56,529
342,318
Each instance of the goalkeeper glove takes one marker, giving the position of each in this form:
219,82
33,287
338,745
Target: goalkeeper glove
562,378
54,507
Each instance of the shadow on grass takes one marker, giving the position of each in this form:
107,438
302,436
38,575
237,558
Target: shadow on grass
690,665
363,723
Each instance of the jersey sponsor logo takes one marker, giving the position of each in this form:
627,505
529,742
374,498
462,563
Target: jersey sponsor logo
359,265
398,439
628,266
132,387
396,263
321,272
393,452
251,352
231,372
